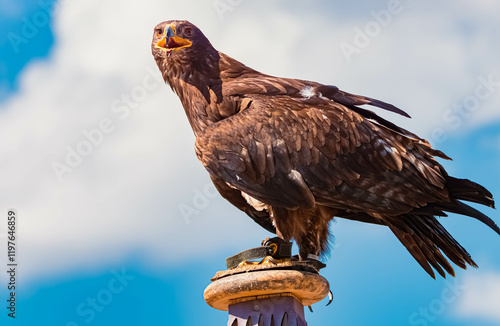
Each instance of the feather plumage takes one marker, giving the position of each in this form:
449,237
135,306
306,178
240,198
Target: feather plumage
293,154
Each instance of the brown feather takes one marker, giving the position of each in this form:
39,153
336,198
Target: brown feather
293,153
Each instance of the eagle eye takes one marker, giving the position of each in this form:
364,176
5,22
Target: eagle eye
159,31
188,31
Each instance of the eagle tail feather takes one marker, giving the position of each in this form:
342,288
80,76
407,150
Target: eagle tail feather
470,191
427,240
463,189
464,209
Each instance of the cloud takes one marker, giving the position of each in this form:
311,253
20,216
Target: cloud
481,297
127,190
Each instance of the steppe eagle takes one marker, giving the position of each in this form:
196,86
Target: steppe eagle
292,154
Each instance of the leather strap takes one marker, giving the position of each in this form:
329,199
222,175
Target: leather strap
275,247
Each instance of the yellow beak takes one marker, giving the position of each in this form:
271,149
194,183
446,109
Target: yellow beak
171,41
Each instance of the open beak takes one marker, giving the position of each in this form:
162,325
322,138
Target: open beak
171,42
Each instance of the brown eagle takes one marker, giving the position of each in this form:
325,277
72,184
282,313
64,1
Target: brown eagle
292,154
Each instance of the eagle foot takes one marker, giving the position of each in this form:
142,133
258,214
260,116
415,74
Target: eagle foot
268,261
274,251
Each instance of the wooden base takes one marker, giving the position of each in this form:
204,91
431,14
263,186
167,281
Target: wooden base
307,288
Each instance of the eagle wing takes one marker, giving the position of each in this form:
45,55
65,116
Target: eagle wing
253,82
294,152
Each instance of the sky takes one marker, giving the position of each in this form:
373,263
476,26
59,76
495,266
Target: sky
117,222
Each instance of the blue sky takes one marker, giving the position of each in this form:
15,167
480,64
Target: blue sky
14,53
114,227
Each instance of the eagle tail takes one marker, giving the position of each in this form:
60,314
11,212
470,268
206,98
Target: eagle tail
470,191
463,189
427,240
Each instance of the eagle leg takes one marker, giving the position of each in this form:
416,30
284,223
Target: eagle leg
309,228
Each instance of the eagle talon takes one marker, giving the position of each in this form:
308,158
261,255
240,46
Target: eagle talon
330,297
268,260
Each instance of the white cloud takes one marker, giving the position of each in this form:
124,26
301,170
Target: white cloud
125,195
481,297
484,7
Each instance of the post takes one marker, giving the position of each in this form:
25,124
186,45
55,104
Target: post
264,296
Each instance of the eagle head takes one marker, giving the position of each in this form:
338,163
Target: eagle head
177,44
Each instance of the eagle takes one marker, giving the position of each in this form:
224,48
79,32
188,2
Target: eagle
293,154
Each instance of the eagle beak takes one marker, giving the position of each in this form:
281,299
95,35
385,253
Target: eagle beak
161,44
171,41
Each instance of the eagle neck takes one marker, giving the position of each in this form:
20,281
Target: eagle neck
199,87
